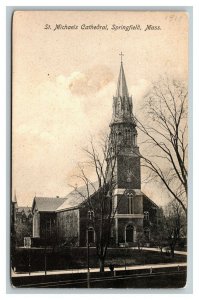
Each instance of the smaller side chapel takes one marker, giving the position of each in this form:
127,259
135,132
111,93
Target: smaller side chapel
135,214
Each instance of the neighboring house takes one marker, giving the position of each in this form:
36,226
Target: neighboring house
44,219
21,222
66,220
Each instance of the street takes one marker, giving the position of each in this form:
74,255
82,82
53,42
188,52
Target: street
137,277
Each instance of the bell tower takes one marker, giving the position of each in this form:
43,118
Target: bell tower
127,196
123,134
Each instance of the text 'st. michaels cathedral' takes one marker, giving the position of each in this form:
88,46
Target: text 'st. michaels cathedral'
135,213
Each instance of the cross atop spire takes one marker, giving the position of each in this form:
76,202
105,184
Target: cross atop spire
121,54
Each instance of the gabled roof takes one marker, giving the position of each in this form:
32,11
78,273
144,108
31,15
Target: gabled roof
47,204
148,199
78,196
73,200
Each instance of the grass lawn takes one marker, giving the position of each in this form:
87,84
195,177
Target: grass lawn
74,258
122,257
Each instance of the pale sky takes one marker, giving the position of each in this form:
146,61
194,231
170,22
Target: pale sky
64,81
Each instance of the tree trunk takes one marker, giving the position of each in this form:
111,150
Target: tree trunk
172,251
101,264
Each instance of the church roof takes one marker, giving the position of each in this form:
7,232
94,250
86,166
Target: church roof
78,196
122,89
148,199
48,204
73,200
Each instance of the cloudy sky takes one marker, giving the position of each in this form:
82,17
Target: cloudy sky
64,81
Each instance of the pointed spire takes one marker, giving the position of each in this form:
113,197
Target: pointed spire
122,89
122,102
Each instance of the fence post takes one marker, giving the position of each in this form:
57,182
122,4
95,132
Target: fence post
88,279
29,262
45,264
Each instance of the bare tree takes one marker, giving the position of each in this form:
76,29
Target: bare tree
175,224
99,195
165,131
158,232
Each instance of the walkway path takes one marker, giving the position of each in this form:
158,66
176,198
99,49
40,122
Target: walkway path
164,250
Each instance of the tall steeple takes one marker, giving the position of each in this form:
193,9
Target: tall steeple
123,136
124,155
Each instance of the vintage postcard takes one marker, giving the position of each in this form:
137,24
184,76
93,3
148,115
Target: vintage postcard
99,149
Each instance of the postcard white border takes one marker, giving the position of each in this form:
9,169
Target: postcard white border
5,121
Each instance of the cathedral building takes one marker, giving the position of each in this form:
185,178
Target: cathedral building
135,214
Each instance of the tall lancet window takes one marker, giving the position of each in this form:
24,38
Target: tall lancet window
130,203
119,137
128,135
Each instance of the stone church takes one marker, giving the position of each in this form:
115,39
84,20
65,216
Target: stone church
64,220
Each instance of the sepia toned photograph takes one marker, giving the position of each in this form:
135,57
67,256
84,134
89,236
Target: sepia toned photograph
99,149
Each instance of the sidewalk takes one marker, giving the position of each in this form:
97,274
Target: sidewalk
85,270
158,250
152,249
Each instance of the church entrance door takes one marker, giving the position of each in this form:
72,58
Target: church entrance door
91,235
129,234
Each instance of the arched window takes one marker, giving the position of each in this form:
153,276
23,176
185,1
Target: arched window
90,214
146,215
129,233
130,203
91,235
128,134
119,137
